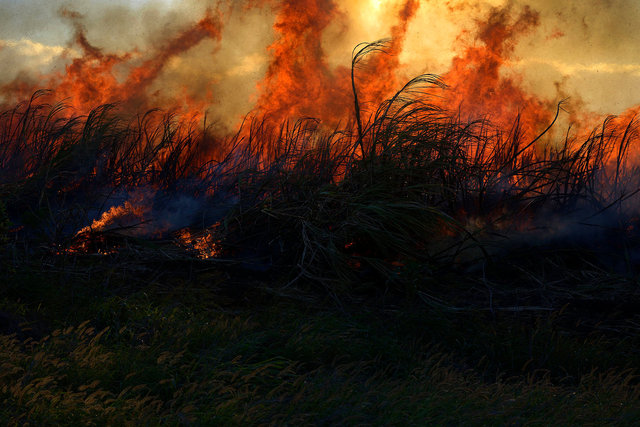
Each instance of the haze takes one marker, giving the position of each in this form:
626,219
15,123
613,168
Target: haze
583,49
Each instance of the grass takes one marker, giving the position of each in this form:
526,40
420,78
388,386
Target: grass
166,354
408,268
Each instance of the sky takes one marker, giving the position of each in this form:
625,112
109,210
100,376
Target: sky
588,50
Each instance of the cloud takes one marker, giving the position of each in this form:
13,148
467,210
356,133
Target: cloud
41,52
27,57
569,69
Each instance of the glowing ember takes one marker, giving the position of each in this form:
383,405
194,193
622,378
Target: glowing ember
205,244
90,244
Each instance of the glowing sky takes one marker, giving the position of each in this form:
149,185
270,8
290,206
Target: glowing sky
589,50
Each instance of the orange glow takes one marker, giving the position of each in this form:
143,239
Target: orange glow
298,77
114,217
299,80
479,89
300,83
204,244
91,80
301,76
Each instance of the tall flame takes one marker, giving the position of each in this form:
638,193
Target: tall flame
91,80
299,81
301,77
477,86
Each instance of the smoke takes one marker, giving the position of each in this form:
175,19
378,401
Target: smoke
291,58
148,212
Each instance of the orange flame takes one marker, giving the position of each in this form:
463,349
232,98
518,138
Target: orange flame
90,80
300,83
477,87
115,216
205,245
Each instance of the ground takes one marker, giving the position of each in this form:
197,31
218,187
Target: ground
95,341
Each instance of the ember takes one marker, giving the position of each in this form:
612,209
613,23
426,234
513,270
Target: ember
204,244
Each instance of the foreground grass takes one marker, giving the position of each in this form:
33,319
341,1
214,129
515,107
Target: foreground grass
179,350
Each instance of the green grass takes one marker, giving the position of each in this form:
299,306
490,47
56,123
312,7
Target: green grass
176,352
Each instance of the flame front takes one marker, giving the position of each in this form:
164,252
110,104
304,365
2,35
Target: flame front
301,67
305,60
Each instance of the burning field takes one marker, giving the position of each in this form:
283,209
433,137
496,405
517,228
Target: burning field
476,156
333,157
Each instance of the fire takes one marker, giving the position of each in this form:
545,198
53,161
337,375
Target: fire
300,82
91,80
479,89
205,244
90,244
300,77
115,217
